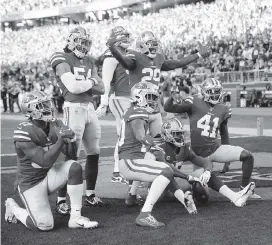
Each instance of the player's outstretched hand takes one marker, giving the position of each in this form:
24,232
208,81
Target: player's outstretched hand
113,40
204,50
205,177
101,110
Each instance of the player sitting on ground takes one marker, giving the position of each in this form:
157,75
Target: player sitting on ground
176,150
38,143
133,144
208,116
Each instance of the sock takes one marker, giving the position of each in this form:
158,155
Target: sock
62,192
156,189
61,199
91,171
228,193
247,167
134,187
116,159
89,192
75,193
179,194
215,183
21,214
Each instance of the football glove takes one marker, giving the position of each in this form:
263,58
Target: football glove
203,50
192,179
66,133
113,40
205,177
101,110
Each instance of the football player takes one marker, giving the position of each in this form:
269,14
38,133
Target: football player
133,144
39,142
146,63
77,79
208,116
117,92
176,150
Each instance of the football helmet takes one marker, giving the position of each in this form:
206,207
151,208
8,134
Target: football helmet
37,106
172,131
122,34
146,95
148,44
79,42
211,91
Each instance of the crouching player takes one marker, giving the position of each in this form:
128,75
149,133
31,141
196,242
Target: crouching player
176,150
38,143
133,144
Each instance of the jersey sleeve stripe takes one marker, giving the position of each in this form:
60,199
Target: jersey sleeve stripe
188,100
20,132
131,55
57,59
139,115
17,136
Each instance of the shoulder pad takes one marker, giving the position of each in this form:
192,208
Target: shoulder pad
57,58
24,132
136,113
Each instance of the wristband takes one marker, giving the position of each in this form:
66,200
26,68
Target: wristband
95,82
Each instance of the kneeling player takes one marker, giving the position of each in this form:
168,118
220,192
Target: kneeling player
38,143
132,149
176,150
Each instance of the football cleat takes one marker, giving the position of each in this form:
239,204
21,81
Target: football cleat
94,201
62,208
9,214
253,195
244,194
147,220
118,178
189,203
82,222
134,200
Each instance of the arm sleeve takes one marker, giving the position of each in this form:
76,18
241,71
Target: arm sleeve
37,155
108,68
186,106
169,65
224,132
128,61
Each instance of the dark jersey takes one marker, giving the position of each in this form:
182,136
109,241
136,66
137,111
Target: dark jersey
120,80
28,172
129,146
147,69
81,68
205,122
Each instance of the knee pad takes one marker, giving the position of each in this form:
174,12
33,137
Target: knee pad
246,155
168,173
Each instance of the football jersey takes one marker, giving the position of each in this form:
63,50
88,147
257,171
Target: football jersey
147,69
205,122
81,68
129,146
120,80
28,172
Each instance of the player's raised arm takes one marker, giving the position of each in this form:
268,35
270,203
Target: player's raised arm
204,51
114,43
185,106
69,80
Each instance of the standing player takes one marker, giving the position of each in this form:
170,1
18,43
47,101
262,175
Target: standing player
133,144
146,64
77,78
38,143
116,82
176,150
207,115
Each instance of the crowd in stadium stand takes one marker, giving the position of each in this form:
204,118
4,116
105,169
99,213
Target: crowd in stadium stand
240,40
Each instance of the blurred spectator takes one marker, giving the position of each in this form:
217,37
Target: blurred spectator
14,91
4,96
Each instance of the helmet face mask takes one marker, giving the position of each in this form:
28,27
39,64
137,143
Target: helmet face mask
37,106
148,44
212,91
173,132
146,95
79,42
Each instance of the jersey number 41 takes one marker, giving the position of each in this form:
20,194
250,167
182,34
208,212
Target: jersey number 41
209,126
